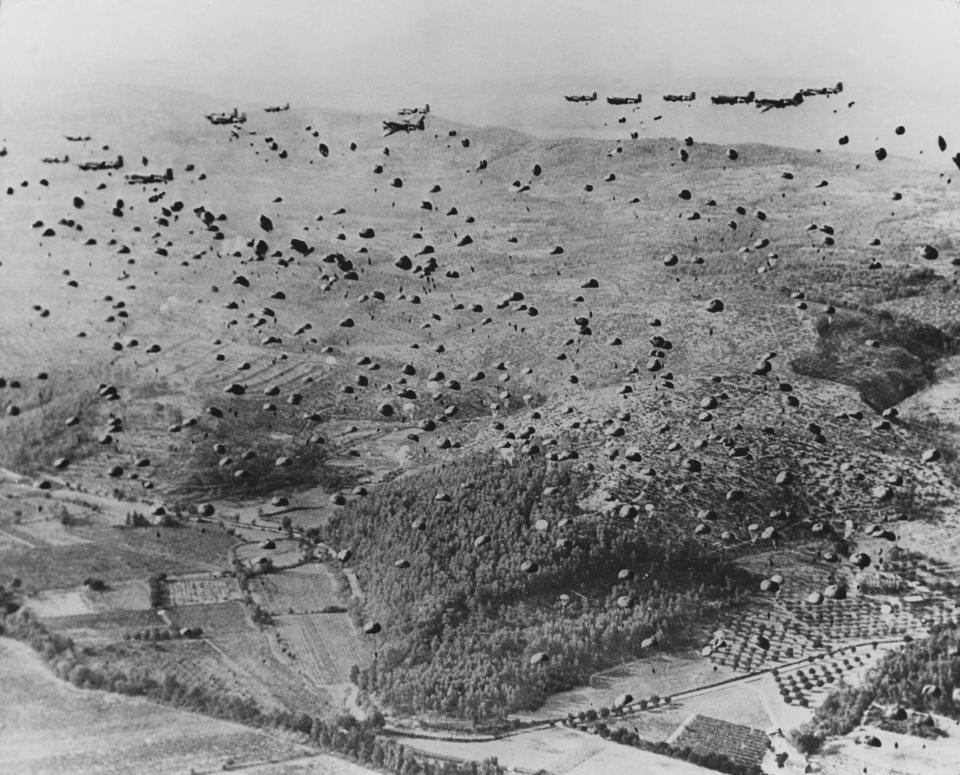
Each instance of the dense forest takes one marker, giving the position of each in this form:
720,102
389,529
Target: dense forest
494,590
922,676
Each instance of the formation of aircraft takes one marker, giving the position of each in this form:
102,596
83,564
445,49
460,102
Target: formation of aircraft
152,178
680,97
723,99
824,90
779,102
407,124
233,117
403,125
625,100
414,111
101,165
734,99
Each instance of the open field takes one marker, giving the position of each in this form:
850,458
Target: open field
49,726
315,765
897,755
562,751
123,596
740,703
51,603
661,675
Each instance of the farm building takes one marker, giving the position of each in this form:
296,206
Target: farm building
706,735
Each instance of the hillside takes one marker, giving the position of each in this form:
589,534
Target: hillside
172,279
446,423
466,566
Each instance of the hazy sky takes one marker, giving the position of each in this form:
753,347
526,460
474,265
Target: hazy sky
356,53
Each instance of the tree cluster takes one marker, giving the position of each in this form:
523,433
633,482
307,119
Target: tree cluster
921,676
158,592
475,568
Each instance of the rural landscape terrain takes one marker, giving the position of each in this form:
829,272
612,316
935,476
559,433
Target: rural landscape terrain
338,442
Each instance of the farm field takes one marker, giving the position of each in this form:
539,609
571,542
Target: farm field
215,619
51,603
740,703
307,589
189,547
119,608
116,555
325,646
105,628
125,596
48,532
49,727
706,735
202,590
195,663
285,553
317,765
259,657
12,541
